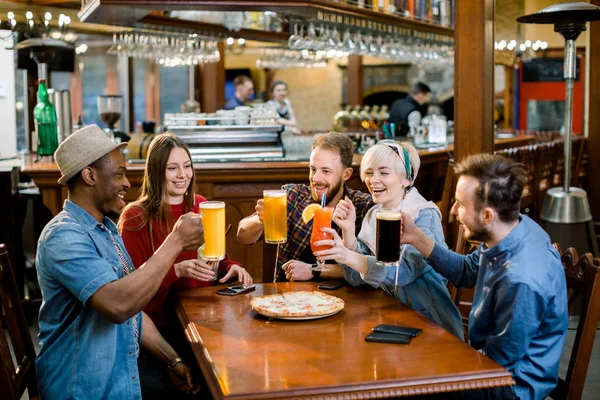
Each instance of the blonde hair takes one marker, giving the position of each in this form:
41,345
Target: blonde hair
383,151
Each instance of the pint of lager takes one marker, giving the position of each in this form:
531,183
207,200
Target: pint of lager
275,216
213,220
388,236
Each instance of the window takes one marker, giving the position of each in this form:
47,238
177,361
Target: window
139,91
93,78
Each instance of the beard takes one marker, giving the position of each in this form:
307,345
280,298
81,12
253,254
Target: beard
477,232
330,194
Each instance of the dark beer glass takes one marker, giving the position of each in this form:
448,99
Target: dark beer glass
388,236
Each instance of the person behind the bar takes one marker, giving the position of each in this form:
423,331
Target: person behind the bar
389,170
330,167
168,191
519,316
244,89
283,106
406,112
91,321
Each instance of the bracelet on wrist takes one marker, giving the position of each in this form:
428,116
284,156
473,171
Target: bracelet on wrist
174,363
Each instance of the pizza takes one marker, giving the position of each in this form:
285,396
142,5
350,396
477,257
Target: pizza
296,304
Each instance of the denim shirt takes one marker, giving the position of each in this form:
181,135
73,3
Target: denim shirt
519,316
418,286
83,354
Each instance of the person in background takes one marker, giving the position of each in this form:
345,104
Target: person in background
406,112
389,170
168,192
330,167
519,316
283,106
91,322
244,89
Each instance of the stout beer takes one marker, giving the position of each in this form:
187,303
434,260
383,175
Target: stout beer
388,236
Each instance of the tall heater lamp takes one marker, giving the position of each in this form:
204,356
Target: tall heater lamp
566,211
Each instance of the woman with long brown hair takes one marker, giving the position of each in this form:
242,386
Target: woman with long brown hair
167,193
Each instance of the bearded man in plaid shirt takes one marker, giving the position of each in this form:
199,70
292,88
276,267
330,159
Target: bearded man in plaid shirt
330,168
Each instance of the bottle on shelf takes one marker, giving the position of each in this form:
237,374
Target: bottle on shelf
46,127
364,117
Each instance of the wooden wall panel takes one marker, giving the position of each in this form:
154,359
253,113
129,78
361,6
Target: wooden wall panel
473,77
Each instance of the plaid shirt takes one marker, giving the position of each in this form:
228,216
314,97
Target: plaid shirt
298,197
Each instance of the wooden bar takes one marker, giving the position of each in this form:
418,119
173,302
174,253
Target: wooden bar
244,355
474,77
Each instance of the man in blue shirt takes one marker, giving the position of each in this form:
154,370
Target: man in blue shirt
519,316
244,89
91,324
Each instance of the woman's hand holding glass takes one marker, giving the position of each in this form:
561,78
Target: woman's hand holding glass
196,269
338,251
242,275
344,216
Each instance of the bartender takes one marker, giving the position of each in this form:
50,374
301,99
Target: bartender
244,89
283,106
406,112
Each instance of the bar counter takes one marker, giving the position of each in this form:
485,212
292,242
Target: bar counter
240,184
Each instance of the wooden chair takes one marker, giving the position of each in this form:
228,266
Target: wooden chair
445,204
583,280
16,373
463,297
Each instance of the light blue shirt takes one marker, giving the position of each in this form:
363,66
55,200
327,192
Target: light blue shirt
83,355
418,285
519,316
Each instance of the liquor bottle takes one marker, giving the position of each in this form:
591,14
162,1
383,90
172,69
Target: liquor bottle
44,115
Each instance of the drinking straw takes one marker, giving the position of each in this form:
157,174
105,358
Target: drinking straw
323,200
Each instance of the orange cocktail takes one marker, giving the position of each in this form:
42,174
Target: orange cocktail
322,219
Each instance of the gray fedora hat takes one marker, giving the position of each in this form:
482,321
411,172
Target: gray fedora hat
81,149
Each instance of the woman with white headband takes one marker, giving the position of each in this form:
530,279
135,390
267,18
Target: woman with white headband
389,170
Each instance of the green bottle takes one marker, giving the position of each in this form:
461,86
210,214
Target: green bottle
44,115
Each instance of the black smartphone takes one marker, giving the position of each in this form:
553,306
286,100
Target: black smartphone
396,329
388,338
332,284
235,290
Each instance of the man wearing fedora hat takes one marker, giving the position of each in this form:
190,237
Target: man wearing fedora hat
91,323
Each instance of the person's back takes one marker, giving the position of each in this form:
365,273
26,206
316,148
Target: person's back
522,266
406,112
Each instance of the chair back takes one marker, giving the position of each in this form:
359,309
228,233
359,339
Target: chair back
445,204
583,280
463,297
17,367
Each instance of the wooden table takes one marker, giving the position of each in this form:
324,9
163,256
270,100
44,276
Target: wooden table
246,356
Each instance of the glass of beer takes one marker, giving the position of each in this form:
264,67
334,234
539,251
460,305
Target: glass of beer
213,220
275,216
388,236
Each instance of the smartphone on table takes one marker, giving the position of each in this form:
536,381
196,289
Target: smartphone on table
397,329
332,284
235,290
382,337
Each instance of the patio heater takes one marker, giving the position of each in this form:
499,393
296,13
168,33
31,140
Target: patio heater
566,211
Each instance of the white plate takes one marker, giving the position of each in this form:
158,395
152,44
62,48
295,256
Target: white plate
304,318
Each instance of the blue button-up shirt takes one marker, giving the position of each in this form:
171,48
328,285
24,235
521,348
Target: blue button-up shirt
83,354
519,316
234,102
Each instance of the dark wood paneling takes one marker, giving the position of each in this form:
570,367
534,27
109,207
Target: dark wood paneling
474,77
213,84
355,80
594,116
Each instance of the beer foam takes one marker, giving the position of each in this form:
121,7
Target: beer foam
211,205
389,215
274,193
